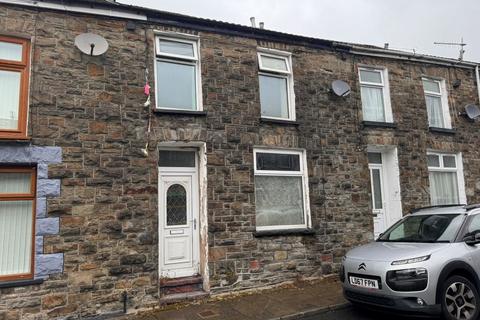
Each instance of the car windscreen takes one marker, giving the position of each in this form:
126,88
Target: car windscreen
425,228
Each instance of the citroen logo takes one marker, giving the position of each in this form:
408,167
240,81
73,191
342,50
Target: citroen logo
362,266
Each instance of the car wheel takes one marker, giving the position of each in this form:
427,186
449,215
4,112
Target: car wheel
460,299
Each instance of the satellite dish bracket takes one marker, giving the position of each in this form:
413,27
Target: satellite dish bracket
340,88
91,44
472,112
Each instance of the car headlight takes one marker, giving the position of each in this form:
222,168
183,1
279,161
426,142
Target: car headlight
411,260
414,279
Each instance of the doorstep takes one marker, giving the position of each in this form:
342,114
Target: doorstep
287,302
183,297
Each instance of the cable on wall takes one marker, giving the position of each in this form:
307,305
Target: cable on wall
32,75
146,91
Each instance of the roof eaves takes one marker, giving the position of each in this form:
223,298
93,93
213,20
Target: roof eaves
403,55
91,7
202,24
240,30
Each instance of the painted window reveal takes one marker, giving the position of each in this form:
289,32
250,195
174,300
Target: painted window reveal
280,190
437,103
446,179
177,74
176,205
14,72
17,218
276,85
375,95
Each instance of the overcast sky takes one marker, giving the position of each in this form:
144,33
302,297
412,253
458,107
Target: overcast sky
404,24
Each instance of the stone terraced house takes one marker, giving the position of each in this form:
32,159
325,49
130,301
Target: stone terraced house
241,170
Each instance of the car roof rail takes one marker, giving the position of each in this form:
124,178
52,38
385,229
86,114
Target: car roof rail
472,206
441,206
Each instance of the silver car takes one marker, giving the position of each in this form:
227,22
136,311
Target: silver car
427,263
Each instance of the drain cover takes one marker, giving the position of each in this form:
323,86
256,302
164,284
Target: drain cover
206,314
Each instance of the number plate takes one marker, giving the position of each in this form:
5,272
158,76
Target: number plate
364,283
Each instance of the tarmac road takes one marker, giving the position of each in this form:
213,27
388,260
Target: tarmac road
351,313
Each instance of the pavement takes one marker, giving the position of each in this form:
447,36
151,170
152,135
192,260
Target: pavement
295,301
351,313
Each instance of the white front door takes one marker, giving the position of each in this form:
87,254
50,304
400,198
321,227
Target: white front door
385,187
375,166
178,222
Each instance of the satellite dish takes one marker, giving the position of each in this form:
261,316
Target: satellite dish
91,44
472,111
340,88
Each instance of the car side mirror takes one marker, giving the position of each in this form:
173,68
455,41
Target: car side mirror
472,239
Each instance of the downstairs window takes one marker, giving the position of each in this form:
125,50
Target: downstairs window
17,222
280,190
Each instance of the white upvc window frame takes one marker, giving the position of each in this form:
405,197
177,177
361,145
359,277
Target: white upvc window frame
462,197
443,95
278,73
303,172
385,86
180,59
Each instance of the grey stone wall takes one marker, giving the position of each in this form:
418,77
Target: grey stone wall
45,264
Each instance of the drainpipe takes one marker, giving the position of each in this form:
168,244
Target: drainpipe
477,74
124,298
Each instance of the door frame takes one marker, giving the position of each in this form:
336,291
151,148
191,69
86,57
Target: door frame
392,200
202,222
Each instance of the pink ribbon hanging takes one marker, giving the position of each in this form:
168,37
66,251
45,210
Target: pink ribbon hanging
146,89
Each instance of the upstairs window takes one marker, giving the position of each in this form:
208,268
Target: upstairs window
276,86
437,103
177,74
14,71
445,173
375,95
281,198
17,205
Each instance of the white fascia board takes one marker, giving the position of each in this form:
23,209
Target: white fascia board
401,55
80,9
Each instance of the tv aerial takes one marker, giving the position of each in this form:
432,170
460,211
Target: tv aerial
471,111
340,88
461,44
91,44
